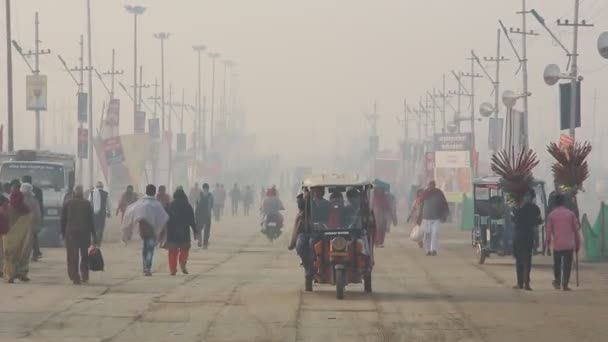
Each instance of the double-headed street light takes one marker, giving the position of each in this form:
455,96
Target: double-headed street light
135,11
509,99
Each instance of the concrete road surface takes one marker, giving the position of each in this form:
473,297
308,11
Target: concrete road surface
246,289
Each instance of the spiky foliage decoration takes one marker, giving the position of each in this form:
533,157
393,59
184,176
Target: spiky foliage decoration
515,171
570,168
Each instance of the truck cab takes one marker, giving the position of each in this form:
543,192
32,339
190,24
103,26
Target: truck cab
54,174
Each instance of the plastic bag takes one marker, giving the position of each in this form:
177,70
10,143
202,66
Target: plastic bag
95,260
417,234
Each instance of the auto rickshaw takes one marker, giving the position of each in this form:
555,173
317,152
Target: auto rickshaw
340,232
493,229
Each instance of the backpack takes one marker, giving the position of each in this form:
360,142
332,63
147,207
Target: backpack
95,260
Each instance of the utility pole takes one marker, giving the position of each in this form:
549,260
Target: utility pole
90,53
156,98
574,66
200,137
35,70
496,81
9,76
472,75
181,118
214,57
113,73
523,60
80,83
162,36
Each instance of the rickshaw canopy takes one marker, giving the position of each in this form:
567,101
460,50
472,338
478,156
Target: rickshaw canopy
335,180
494,181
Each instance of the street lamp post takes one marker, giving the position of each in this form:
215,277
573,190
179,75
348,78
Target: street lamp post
214,56
136,11
200,138
9,76
162,36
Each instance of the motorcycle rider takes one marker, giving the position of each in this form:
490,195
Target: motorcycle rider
271,208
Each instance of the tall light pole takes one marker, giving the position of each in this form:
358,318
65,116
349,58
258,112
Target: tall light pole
227,65
90,53
162,36
136,11
200,138
9,76
214,56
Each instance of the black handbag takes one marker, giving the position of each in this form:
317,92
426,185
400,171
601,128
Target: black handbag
95,260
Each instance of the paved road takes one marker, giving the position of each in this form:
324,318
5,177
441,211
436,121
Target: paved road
246,289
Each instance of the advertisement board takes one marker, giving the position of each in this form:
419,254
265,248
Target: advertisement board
83,99
113,151
35,92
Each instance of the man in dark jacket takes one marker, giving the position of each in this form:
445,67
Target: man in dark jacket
434,211
204,207
78,230
36,253
525,219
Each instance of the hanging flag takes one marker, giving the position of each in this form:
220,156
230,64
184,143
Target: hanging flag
154,127
565,100
82,107
83,143
113,114
35,92
139,123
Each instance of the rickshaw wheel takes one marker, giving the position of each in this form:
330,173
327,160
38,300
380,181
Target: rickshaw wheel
481,254
340,284
367,283
308,283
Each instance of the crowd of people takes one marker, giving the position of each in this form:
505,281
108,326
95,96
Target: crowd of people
170,222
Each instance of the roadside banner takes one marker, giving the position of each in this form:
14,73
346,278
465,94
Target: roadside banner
453,165
154,127
113,113
113,151
83,143
82,107
453,142
139,123
35,91
495,134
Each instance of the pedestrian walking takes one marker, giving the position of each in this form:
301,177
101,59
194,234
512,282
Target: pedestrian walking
128,197
4,227
247,200
562,234
150,217
381,206
525,219
203,216
78,231
435,210
36,253
23,215
163,197
235,197
181,221
100,201
195,193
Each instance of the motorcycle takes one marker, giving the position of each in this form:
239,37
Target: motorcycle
272,225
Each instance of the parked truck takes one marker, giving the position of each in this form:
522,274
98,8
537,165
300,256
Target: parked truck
54,174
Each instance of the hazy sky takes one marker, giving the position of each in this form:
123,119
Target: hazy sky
306,66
